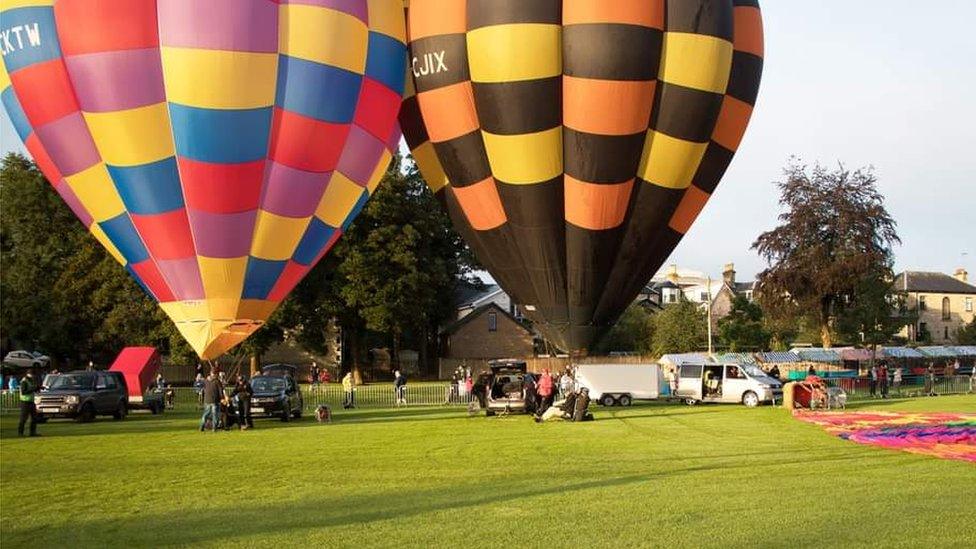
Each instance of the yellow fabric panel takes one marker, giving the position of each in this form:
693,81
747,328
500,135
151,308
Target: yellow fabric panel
11,4
132,137
223,277
186,311
668,161
96,192
338,200
430,166
4,77
227,338
696,61
218,79
378,172
525,158
322,35
386,16
519,51
256,309
102,239
276,236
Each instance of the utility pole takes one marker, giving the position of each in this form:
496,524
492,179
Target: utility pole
708,306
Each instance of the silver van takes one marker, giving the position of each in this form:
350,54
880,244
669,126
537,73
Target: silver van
729,383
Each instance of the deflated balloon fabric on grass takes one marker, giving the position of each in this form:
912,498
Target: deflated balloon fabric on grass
943,435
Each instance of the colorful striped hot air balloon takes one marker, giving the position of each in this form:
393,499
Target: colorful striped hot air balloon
216,148
576,141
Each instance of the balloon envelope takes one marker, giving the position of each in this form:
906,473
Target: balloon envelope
575,142
218,148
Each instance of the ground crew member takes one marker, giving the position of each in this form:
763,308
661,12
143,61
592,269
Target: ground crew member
27,407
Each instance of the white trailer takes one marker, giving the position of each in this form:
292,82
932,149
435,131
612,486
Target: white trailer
619,384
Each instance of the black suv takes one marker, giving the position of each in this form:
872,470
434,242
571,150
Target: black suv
276,396
83,395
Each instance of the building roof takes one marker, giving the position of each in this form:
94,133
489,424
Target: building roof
458,324
777,356
929,282
467,294
744,286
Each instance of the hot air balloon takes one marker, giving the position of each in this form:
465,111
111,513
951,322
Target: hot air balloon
218,148
576,141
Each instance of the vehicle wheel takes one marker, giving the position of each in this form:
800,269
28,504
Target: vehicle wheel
489,413
120,412
35,365
624,400
690,401
87,413
285,416
41,419
297,414
750,399
607,400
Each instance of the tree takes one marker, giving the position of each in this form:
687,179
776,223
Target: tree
632,333
679,328
967,334
834,232
743,328
400,260
873,312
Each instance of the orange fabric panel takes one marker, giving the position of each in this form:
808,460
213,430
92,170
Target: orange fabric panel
688,209
607,107
481,204
596,206
732,122
435,17
748,30
634,12
449,111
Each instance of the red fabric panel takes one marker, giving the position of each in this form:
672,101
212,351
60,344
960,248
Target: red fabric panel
43,160
305,143
290,277
377,110
166,235
221,188
45,92
153,279
88,26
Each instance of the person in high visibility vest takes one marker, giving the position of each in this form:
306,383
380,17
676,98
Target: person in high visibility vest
27,407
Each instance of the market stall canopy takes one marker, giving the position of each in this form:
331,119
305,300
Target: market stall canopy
772,357
139,366
817,354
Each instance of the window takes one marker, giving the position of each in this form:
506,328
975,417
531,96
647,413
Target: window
749,295
492,321
969,304
945,335
945,309
704,296
923,331
689,370
921,303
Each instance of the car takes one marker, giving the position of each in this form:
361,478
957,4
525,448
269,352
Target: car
276,396
507,392
82,395
27,359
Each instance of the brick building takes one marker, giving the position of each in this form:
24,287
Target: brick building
487,331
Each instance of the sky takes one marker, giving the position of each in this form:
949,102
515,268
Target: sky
882,83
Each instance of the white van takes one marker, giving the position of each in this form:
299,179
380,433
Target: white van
731,383
619,384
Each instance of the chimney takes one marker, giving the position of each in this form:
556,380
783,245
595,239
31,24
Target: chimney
728,275
673,273
961,275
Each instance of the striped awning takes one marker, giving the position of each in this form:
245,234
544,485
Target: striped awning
817,354
859,355
736,358
938,351
769,357
901,352
684,358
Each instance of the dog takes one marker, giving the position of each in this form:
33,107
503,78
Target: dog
323,414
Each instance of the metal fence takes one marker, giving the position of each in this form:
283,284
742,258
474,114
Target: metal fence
381,395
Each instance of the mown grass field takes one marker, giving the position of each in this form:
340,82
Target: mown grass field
651,475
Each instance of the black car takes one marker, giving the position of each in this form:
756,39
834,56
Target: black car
83,395
276,396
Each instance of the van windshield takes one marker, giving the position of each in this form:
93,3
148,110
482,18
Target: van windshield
753,371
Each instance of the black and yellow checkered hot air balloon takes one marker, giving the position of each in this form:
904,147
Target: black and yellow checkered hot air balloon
574,142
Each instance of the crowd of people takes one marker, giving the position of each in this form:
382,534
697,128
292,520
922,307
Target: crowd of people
222,410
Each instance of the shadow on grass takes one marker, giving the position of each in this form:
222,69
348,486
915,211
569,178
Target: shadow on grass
199,525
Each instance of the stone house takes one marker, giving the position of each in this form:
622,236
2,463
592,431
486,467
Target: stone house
485,332
944,304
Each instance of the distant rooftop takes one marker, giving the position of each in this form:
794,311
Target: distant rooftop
939,283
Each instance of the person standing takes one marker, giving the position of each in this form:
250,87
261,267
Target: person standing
896,380
874,380
313,373
27,407
211,403
242,395
13,384
930,380
350,389
544,388
883,379
400,387
972,380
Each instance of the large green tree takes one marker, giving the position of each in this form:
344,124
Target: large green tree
873,312
680,328
632,333
833,233
743,328
967,334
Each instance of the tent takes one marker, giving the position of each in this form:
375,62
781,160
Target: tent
139,366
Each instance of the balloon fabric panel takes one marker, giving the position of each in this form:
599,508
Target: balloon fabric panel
578,140
217,149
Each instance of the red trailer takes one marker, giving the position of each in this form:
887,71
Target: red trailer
139,366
